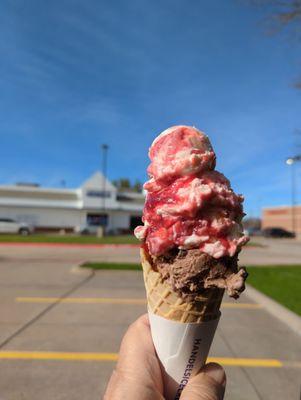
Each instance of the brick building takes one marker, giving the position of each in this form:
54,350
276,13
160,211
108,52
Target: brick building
282,217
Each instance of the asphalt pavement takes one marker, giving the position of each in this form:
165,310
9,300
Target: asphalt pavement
61,326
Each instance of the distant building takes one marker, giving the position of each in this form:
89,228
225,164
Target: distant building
282,217
97,202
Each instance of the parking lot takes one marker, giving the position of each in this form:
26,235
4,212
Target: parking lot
61,325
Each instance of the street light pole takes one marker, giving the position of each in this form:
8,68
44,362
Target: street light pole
293,183
291,161
104,148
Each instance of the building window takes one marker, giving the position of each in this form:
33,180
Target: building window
97,219
98,193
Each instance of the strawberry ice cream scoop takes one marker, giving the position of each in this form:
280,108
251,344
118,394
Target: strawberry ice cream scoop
189,205
176,152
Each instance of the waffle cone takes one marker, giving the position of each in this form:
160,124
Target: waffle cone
163,301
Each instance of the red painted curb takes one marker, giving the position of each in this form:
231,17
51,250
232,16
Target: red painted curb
80,245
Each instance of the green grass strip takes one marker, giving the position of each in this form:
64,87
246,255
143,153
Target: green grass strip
37,238
281,283
255,244
113,266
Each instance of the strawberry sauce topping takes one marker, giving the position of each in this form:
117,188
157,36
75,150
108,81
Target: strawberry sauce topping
189,205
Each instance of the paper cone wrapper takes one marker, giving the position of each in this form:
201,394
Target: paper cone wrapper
182,349
182,332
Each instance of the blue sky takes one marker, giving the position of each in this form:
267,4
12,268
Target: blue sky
76,74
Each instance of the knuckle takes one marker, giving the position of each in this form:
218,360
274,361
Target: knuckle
202,391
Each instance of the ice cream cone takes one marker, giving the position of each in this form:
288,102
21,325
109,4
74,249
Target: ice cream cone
164,302
182,331
192,232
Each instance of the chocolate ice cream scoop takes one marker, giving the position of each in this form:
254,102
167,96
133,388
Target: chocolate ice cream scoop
189,272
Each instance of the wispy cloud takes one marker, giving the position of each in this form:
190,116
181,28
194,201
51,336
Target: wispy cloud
102,112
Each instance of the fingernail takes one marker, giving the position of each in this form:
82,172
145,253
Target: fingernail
215,372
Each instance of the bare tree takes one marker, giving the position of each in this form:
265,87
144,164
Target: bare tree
124,184
282,14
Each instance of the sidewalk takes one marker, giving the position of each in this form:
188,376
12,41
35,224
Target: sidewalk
70,325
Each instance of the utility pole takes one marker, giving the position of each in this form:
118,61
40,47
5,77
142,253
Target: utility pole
291,161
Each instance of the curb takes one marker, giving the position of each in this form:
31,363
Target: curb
78,270
292,320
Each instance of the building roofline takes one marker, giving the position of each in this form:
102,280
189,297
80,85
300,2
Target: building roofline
26,189
282,206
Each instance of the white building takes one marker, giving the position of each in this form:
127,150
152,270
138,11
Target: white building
96,202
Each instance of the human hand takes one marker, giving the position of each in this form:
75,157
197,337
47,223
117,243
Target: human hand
138,374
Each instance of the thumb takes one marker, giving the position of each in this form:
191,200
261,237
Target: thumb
208,384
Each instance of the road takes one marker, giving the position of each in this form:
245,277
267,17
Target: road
61,326
262,251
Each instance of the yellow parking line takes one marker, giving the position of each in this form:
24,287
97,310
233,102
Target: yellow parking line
80,300
108,300
63,356
247,362
55,355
